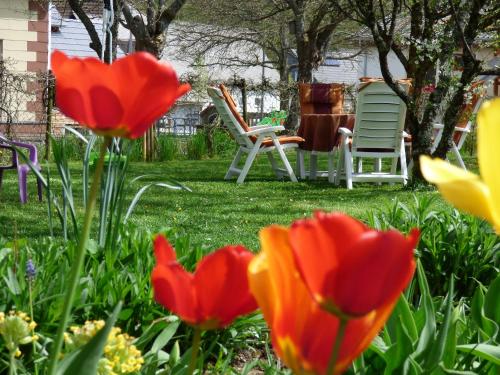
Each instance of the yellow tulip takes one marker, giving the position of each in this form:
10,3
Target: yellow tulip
477,195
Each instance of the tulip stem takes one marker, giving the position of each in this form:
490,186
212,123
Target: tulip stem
336,346
195,348
76,267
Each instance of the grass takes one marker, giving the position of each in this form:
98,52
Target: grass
216,212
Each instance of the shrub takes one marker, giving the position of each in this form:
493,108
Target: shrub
168,148
196,146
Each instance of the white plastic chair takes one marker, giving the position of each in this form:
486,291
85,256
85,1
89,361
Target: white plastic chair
378,134
463,128
253,140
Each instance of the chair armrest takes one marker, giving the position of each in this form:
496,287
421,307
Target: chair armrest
30,147
256,127
345,131
456,129
265,129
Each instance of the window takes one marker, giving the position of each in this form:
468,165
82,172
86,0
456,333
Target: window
329,61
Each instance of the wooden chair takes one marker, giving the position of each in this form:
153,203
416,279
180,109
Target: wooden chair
252,140
378,134
464,124
319,99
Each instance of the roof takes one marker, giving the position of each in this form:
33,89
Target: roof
90,7
71,37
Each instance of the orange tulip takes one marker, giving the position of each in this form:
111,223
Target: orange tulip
210,298
122,99
302,333
349,269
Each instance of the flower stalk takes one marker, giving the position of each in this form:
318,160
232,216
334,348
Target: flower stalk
78,260
336,346
195,348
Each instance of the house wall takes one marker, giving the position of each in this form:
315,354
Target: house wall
24,35
370,65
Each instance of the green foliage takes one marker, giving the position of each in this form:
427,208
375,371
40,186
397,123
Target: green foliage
196,146
168,148
111,276
437,336
450,243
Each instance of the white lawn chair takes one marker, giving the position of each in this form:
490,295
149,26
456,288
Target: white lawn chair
378,133
464,124
252,140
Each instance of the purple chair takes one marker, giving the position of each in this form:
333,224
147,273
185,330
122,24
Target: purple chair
22,169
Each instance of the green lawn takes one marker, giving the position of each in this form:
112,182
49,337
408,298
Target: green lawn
216,212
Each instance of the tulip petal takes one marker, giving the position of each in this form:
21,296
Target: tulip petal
221,285
71,103
173,288
302,334
320,244
164,252
380,266
106,107
488,134
462,188
261,286
121,99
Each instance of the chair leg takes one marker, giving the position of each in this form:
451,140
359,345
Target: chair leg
301,169
284,159
234,164
248,163
21,178
360,165
348,165
339,166
331,170
455,151
274,166
313,166
404,170
39,187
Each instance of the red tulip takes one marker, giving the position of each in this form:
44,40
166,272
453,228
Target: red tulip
211,297
122,99
302,333
349,269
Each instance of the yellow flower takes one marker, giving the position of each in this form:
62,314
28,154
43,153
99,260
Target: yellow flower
120,355
16,328
477,195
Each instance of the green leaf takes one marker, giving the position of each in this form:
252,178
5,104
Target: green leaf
165,336
488,352
400,350
491,301
487,327
175,354
403,309
4,252
12,283
86,359
436,354
450,350
427,338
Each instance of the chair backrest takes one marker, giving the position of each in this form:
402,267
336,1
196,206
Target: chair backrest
469,109
380,117
226,108
321,98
